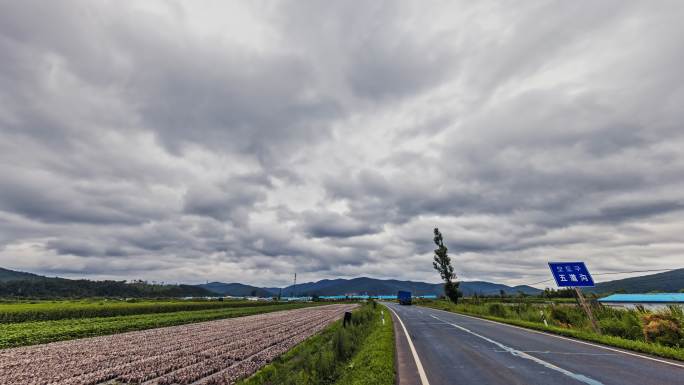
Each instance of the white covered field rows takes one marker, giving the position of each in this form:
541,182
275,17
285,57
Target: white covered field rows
207,353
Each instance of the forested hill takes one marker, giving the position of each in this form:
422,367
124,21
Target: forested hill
669,282
26,285
11,275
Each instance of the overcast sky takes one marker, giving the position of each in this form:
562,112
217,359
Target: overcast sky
186,141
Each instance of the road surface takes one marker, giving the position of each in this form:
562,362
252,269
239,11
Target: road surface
455,349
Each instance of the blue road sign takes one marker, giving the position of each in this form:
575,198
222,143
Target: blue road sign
571,274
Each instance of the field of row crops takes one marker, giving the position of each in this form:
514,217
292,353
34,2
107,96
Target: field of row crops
37,332
211,353
56,310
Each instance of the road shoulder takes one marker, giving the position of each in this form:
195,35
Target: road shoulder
407,371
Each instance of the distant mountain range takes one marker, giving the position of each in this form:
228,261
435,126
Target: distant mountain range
238,289
374,286
21,284
363,285
671,281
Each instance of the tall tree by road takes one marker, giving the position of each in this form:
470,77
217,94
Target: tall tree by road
442,264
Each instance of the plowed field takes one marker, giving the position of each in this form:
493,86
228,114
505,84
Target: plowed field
216,352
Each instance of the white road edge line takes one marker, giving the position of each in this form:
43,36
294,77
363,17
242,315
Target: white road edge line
518,353
419,365
569,339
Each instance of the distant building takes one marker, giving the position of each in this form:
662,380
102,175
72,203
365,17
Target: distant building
648,301
300,299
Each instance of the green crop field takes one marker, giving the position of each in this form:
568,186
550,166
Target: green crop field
37,332
56,310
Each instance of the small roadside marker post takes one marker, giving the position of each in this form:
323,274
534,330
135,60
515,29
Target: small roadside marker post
575,275
347,318
543,317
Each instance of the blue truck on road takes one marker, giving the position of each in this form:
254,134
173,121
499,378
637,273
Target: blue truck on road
404,297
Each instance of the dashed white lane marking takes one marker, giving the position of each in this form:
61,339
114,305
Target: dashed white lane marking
561,353
419,365
518,353
568,339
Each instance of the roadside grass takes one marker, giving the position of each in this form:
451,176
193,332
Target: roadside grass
362,353
516,300
374,363
501,314
38,332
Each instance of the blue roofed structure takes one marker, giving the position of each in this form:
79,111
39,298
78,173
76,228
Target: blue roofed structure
656,297
653,301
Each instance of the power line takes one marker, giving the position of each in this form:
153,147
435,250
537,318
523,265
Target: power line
634,271
536,283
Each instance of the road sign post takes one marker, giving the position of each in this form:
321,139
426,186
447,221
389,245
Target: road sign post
587,309
575,275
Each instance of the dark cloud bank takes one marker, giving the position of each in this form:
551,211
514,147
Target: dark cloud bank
181,142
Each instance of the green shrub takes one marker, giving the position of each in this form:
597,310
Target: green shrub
568,316
534,314
664,327
624,328
521,308
677,313
496,310
620,323
632,326
343,346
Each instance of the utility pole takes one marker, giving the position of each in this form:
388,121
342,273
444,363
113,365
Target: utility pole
294,286
587,309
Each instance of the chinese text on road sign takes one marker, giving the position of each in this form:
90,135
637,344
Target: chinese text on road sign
571,274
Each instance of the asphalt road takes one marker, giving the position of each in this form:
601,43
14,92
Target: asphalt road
455,349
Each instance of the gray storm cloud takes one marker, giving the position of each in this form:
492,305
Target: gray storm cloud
184,142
